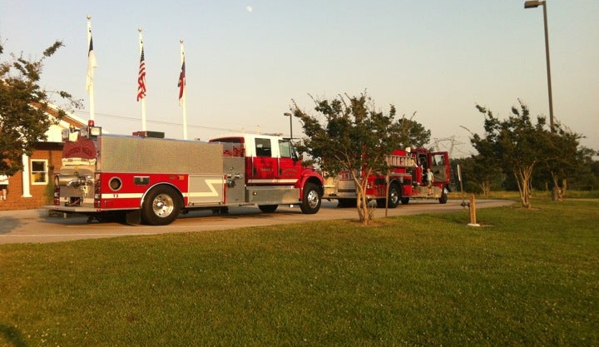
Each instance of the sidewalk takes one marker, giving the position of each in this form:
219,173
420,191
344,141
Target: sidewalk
24,214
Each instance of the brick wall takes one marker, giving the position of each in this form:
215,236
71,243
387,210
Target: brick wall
39,195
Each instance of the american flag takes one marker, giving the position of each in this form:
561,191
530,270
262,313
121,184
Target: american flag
141,77
181,83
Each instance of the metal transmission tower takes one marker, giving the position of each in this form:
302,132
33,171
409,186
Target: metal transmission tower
447,144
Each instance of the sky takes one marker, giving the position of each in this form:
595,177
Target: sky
248,61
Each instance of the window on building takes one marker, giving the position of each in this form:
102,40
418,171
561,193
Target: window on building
39,172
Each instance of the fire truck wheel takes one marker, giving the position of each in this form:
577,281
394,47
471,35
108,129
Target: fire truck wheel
393,197
268,208
443,198
311,200
405,200
161,206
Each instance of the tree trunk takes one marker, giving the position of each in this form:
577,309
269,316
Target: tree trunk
557,194
364,212
486,188
523,180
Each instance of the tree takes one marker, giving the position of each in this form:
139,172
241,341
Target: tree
586,174
565,158
527,152
517,143
590,178
23,104
412,133
480,174
350,134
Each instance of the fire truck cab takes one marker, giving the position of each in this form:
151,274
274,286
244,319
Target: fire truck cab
407,180
269,173
146,178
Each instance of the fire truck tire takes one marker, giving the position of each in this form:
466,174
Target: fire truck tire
268,208
394,197
161,206
443,198
405,201
311,200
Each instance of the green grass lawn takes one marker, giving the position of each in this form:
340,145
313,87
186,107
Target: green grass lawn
525,278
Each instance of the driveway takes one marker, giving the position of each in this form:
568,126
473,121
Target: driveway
35,226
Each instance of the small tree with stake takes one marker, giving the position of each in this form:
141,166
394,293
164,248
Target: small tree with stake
516,143
525,149
350,134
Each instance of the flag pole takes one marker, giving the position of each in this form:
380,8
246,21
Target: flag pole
141,82
91,64
182,90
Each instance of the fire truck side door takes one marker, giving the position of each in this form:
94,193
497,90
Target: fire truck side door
440,166
265,166
290,167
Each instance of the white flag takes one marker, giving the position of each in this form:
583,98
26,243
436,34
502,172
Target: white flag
91,58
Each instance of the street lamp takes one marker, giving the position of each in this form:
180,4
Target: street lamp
534,4
287,114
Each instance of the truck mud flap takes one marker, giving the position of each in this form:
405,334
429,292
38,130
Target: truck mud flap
133,217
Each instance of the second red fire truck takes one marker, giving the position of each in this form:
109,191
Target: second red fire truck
146,178
407,180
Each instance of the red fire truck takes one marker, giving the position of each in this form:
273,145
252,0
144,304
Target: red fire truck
407,180
149,179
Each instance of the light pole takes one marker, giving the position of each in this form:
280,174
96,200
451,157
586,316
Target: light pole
534,4
287,114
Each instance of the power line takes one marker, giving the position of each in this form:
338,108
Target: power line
158,121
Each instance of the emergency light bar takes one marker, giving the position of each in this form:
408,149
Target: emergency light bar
155,134
95,131
92,130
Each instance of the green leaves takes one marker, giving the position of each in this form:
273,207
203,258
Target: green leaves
52,49
519,146
23,107
349,133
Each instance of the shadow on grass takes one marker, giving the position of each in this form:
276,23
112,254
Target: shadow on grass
12,336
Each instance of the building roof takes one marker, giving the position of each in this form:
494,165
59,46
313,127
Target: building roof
69,120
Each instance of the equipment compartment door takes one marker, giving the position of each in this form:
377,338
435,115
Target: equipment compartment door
234,169
205,189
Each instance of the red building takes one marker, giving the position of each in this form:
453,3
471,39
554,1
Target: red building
33,187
